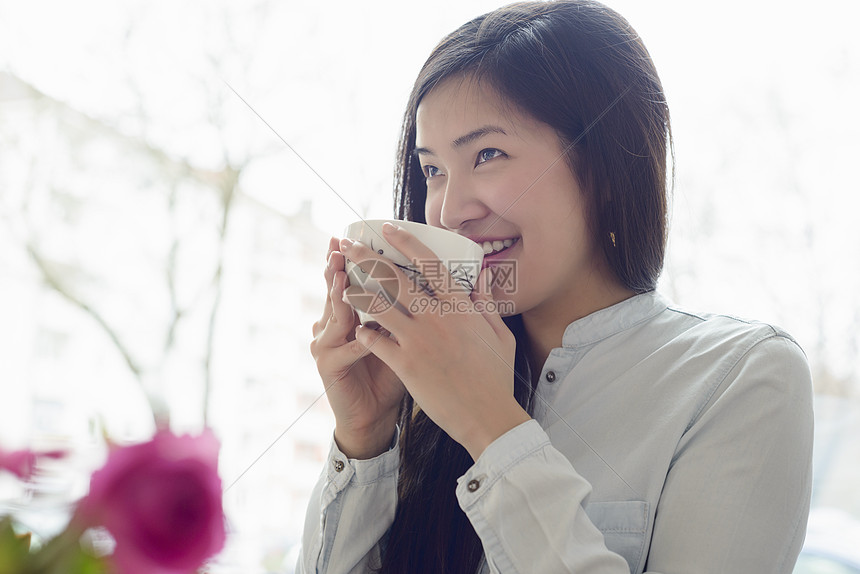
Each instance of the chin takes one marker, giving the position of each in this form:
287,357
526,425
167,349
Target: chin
506,305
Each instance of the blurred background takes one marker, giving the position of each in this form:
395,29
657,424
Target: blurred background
162,241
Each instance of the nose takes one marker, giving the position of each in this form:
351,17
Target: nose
460,204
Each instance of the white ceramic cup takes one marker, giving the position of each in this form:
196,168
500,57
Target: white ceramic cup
460,255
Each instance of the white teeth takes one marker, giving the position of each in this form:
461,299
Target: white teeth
494,246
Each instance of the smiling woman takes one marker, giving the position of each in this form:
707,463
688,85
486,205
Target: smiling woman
595,427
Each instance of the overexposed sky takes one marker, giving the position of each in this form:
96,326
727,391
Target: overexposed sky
332,78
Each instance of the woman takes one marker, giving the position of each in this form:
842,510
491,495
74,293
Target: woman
599,428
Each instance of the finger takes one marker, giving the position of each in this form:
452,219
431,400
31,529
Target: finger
482,297
338,360
385,310
329,278
435,272
328,273
331,261
342,319
333,245
334,263
380,344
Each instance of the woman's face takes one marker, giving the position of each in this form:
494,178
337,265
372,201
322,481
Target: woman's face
496,174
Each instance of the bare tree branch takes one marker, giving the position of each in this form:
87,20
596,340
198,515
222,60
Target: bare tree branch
229,186
159,412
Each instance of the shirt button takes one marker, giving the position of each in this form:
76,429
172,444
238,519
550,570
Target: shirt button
550,376
338,465
473,485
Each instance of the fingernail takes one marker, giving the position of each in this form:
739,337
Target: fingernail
389,227
345,244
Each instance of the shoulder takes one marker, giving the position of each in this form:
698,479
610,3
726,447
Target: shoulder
729,331
733,353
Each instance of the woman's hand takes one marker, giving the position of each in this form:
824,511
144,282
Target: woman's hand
364,393
457,365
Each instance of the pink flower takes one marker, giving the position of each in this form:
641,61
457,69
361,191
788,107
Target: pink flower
22,463
161,501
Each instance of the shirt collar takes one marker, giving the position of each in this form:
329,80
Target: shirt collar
612,320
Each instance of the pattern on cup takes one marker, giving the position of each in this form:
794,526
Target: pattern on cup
463,273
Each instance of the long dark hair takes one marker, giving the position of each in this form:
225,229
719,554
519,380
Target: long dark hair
580,68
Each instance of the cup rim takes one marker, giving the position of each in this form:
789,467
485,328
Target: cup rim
424,227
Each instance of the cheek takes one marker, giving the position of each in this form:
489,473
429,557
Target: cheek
433,210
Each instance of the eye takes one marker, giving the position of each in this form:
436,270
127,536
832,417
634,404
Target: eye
487,154
430,171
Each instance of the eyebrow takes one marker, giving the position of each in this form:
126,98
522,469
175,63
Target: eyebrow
466,139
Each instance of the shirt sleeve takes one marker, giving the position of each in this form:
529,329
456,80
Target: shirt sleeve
350,510
736,498
525,501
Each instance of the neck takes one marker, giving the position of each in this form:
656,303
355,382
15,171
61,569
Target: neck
545,325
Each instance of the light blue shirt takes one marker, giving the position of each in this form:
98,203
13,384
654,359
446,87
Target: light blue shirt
663,441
